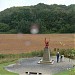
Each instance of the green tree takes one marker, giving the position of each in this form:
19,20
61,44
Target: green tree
50,18
4,27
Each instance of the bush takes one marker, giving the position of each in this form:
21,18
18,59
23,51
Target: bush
70,53
4,27
2,56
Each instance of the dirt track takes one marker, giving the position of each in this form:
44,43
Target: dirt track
21,43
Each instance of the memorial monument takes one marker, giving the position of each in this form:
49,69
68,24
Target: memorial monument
46,55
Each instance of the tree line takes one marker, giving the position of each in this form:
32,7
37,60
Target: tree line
50,19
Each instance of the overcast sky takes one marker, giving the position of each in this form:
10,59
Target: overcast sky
10,3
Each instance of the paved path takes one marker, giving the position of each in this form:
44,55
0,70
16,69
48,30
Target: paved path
30,65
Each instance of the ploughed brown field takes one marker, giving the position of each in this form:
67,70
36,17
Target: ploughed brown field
22,43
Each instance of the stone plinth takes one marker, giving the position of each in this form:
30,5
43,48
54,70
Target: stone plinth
46,57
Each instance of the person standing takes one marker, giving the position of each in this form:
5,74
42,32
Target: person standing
58,55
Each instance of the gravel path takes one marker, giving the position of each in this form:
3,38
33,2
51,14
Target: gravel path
30,65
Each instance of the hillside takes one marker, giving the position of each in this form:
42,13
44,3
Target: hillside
50,19
22,43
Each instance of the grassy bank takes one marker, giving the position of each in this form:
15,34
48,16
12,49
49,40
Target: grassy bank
67,72
11,57
70,53
3,71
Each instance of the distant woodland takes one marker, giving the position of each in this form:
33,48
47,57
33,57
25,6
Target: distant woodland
50,18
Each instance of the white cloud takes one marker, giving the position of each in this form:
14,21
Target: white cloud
64,2
9,3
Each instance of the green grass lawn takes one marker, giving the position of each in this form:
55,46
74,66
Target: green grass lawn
68,72
3,71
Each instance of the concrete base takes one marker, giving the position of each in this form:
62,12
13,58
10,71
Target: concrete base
30,65
46,57
45,62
